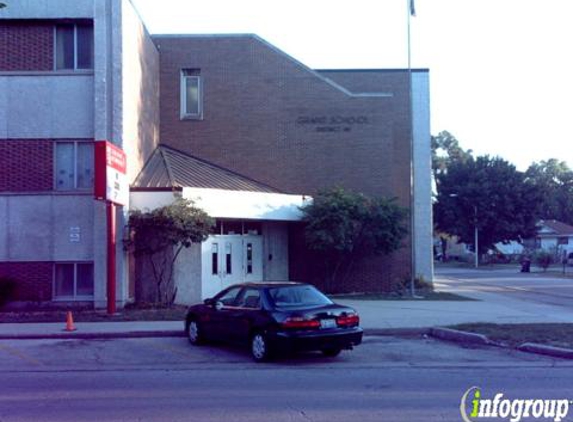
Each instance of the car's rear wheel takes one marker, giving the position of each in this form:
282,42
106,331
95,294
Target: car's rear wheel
194,333
331,352
260,349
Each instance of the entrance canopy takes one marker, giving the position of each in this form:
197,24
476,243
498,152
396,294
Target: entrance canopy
220,192
220,203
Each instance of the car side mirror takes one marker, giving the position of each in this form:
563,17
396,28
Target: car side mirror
208,302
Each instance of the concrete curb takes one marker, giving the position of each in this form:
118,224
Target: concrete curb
542,349
460,336
75,335
473,338
396,331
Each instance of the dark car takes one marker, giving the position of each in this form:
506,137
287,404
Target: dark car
275,318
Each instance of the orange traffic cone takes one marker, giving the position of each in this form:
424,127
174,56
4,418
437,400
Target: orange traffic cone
70,322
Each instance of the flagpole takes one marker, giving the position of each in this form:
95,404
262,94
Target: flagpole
411,12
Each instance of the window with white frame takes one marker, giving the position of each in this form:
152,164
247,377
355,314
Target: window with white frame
74,46
191,94
74,280
74,165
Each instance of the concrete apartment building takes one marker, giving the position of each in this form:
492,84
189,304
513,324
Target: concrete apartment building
230,121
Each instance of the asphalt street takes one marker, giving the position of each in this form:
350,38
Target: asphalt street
537,287
166,379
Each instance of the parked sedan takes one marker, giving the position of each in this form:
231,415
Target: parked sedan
275,318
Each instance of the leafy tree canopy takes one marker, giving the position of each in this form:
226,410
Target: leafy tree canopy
343,221
178,225
490,193
161,234
446,150
554,181
344,225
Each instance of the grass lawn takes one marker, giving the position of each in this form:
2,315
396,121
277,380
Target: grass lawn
553,270
422,295
558,334
173,313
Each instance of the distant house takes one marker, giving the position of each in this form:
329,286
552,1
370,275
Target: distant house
554,236
511,248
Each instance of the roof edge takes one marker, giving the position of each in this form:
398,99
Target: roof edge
209,163
376,70
277,50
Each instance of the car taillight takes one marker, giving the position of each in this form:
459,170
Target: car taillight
297,323
351,320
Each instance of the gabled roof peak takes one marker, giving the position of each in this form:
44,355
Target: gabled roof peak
170,168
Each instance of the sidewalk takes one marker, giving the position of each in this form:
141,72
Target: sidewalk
487,307
377,317
92,330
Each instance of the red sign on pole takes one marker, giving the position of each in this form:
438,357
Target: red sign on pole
111,183
112,186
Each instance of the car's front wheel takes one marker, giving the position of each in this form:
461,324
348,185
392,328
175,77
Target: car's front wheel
260,349
194,333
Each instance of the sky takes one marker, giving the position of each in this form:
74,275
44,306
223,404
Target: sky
501,71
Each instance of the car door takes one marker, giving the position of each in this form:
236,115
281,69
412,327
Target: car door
246,311
222,312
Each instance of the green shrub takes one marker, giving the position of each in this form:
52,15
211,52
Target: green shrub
543,259
7,290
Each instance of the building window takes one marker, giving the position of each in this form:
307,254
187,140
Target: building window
74,46
228,259
249,258
74,281
74,165
191,94
214,259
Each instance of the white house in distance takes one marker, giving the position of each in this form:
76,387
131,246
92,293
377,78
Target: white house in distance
552,236
555,236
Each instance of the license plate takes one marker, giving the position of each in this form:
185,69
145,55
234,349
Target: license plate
327,323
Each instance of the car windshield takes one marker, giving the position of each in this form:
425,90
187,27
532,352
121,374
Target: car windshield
298,296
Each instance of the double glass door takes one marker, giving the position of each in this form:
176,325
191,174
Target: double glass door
230,259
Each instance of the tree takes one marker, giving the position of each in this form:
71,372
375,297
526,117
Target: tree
445,151
343,225
554,181
161,234
488,193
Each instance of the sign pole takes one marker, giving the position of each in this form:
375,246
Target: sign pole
112,186
111,282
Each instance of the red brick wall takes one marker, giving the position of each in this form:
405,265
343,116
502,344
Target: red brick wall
33,279
256,101
27,165
26,46
254,98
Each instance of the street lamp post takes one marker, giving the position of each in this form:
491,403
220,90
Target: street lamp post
476,235
476,231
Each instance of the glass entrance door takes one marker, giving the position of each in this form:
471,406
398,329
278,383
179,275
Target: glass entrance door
230,259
